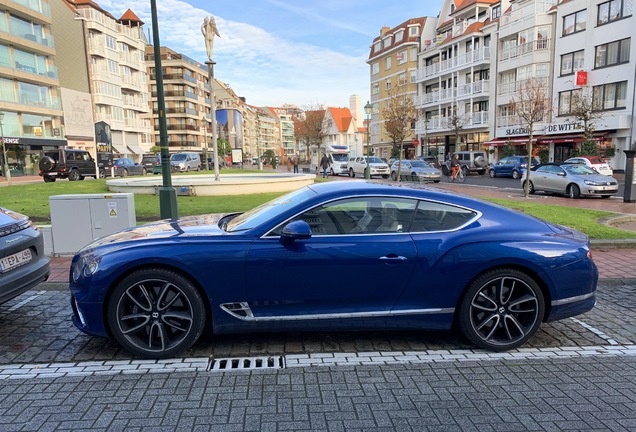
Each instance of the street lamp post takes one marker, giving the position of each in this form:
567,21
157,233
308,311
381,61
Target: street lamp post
5,168
368,108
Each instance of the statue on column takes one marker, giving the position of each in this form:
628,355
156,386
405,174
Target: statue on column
209,30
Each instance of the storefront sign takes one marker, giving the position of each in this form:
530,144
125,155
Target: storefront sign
517,131
581,78
561,128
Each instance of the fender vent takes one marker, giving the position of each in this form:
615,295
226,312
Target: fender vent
246,363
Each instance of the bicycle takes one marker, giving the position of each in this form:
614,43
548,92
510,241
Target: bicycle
460,177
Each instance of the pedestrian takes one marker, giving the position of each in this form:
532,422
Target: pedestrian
324,164
289,164
295,163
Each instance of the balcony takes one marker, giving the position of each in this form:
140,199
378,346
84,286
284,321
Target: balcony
524,49
468,59
528,12
477,88
445,124
515,87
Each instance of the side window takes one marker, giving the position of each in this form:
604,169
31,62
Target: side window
435,216
360,215
70,156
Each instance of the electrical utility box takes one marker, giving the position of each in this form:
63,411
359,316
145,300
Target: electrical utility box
77,220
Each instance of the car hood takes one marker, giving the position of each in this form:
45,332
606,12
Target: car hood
10,218
191,226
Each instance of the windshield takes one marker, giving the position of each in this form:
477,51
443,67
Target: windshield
419,164
264,212
340,157
178,157
375,160
578,169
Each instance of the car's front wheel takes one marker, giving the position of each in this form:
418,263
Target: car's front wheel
574,191
394,175
530,188
501,309
492,173
73,175
352,173
143,171
385,176
155,313
516,174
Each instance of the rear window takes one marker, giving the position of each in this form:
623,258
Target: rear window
596,160
53,155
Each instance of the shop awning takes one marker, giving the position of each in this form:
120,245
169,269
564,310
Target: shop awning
135,149
120,148
574,138
498,142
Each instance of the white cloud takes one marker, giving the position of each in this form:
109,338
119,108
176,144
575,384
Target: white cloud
265,69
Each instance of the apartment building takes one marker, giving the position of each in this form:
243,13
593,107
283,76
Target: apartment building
393,70
30,95
117,69
594,59
454,78
187,99
286,128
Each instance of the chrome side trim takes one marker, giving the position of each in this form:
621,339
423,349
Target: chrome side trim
249,316
572,299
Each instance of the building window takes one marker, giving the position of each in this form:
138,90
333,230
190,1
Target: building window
402,57
496,12
375,88
388,63
375,68
388,84
610,96
377,47
387,42
572,62
413,76
574,23
399,36
612,53
613,10
402,79
413,31
565,101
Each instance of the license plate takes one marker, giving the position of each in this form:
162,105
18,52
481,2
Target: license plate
15,260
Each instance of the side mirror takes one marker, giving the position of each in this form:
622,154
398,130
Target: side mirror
296,230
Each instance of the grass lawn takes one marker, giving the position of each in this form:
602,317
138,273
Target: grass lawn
33,200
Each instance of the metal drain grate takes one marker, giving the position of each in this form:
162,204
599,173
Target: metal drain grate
246,363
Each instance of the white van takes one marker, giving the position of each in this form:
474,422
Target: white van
185,162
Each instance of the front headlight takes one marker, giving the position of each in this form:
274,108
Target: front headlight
593,183
84,267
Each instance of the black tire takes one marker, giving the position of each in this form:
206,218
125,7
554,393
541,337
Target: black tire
48,179
81,177
124,172
385,176
47,163
331,172
605,196
516,174
352,173
465,170
492,173
73,175
445,170
155,313
143,171
531,190
573,191
102,174
394,175
501,309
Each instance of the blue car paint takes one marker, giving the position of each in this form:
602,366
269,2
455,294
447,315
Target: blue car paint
243,266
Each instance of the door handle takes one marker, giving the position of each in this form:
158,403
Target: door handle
393,259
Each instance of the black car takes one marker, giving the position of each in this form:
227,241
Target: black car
123,167
72,164
23,264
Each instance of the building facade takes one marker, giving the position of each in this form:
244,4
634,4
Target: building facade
30,94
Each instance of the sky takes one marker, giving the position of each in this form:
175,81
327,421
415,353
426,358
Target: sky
273,52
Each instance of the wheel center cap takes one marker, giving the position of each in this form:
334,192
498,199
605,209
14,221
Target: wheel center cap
502,310
155,315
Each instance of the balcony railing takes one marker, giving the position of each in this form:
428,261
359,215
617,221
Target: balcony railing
524,49
530,11
477,88
466,59
516,86
438,124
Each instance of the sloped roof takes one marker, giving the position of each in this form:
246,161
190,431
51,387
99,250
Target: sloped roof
94,5
463,4
130,16
406,39
342,118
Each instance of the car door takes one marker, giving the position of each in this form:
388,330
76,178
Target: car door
342,270
500,167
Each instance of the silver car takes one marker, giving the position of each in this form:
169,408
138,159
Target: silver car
419,168
574,180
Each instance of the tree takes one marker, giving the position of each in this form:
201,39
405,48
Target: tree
455,122
398,114
531,105
586,111
312,128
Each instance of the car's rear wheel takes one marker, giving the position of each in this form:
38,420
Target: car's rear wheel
332,173
530,189
466,171
394,175
143,171
605,196
574,191
515,174
49,179
501,309
352,173
73,175
124,172
492,173
155,313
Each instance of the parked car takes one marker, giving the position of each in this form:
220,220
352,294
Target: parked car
471,161
186,162
148,161
123,167
510,166
358,165
23,263
431,160
574,180
444,260
417,168
64,163
597,163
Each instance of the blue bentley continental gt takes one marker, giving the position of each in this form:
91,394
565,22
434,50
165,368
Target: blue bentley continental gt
406,257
